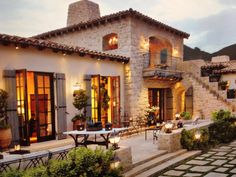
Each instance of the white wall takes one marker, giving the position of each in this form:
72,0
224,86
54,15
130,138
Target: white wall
73,66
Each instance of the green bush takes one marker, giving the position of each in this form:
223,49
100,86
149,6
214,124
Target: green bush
189,142
222,132
81,162
221,115
185,115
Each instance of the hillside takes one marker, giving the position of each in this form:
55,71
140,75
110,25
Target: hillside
196,53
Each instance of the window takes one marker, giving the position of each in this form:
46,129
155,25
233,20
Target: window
163,56
110,41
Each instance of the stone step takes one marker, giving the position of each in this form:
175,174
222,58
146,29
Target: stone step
158,154
156,170
153,163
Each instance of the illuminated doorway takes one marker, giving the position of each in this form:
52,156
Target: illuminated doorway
35,106
105,99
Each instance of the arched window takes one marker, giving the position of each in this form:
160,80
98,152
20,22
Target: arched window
110,41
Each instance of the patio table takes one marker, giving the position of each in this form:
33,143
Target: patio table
85,134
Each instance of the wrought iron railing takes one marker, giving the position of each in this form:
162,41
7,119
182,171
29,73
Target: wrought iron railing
158,61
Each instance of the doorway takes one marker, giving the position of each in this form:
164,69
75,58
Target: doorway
35,106
156,98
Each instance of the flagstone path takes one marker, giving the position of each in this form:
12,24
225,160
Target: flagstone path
217,162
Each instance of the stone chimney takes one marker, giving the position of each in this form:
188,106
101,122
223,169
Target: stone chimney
82,11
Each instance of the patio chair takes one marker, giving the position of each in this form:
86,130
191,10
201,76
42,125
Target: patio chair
156,135
193,122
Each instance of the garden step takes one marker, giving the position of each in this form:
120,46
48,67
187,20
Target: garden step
153,163
156,170
158,154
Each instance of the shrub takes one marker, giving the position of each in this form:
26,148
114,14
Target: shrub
81,162
222,132
189,142
221,115
185,115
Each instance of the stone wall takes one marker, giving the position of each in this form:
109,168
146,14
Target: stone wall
82,11
133,36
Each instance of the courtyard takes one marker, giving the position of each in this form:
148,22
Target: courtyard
217,162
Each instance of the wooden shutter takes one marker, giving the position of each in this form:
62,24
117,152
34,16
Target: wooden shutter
10,87
61,105
189,100
87,79
169,104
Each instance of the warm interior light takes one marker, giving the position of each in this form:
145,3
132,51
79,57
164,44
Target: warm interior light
114,103
64,54
17,47
113,41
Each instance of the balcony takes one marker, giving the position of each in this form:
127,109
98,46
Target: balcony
168,69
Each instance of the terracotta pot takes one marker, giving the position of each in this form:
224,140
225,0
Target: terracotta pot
78,122
5,138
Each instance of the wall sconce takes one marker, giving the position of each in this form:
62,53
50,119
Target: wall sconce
197,135
175,52
115,163
114,141
76,87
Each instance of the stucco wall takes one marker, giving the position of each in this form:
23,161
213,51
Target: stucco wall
74,67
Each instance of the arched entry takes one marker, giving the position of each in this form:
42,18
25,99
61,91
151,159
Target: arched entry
159,51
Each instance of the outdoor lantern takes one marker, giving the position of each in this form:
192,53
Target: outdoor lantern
197,135
76,87
115,163
114,141
177,116
168,127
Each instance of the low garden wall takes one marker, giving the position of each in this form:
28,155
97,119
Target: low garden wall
171,141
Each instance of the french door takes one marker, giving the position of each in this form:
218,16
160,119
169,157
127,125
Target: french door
156,98
35,106
112,85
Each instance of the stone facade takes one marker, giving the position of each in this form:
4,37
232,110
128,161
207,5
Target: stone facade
132,36
82,11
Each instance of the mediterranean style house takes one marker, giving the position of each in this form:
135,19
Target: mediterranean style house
139,60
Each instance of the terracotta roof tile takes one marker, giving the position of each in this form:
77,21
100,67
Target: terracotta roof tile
108,19
56,47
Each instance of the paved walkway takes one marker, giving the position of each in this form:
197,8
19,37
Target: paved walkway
218,162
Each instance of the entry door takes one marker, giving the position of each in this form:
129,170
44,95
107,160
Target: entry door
156,98
44,106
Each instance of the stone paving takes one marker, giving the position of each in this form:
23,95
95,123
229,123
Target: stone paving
217,162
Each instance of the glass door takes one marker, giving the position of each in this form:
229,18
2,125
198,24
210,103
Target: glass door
22,106
115,101
42,106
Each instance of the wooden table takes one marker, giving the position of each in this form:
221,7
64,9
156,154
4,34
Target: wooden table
75,134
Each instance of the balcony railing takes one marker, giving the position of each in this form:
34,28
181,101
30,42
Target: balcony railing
168,66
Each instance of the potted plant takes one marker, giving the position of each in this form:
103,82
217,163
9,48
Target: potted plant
223,85
105,99
151,114
80,103
185,115
5,131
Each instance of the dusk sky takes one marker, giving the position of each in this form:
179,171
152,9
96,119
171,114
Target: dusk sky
211,23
